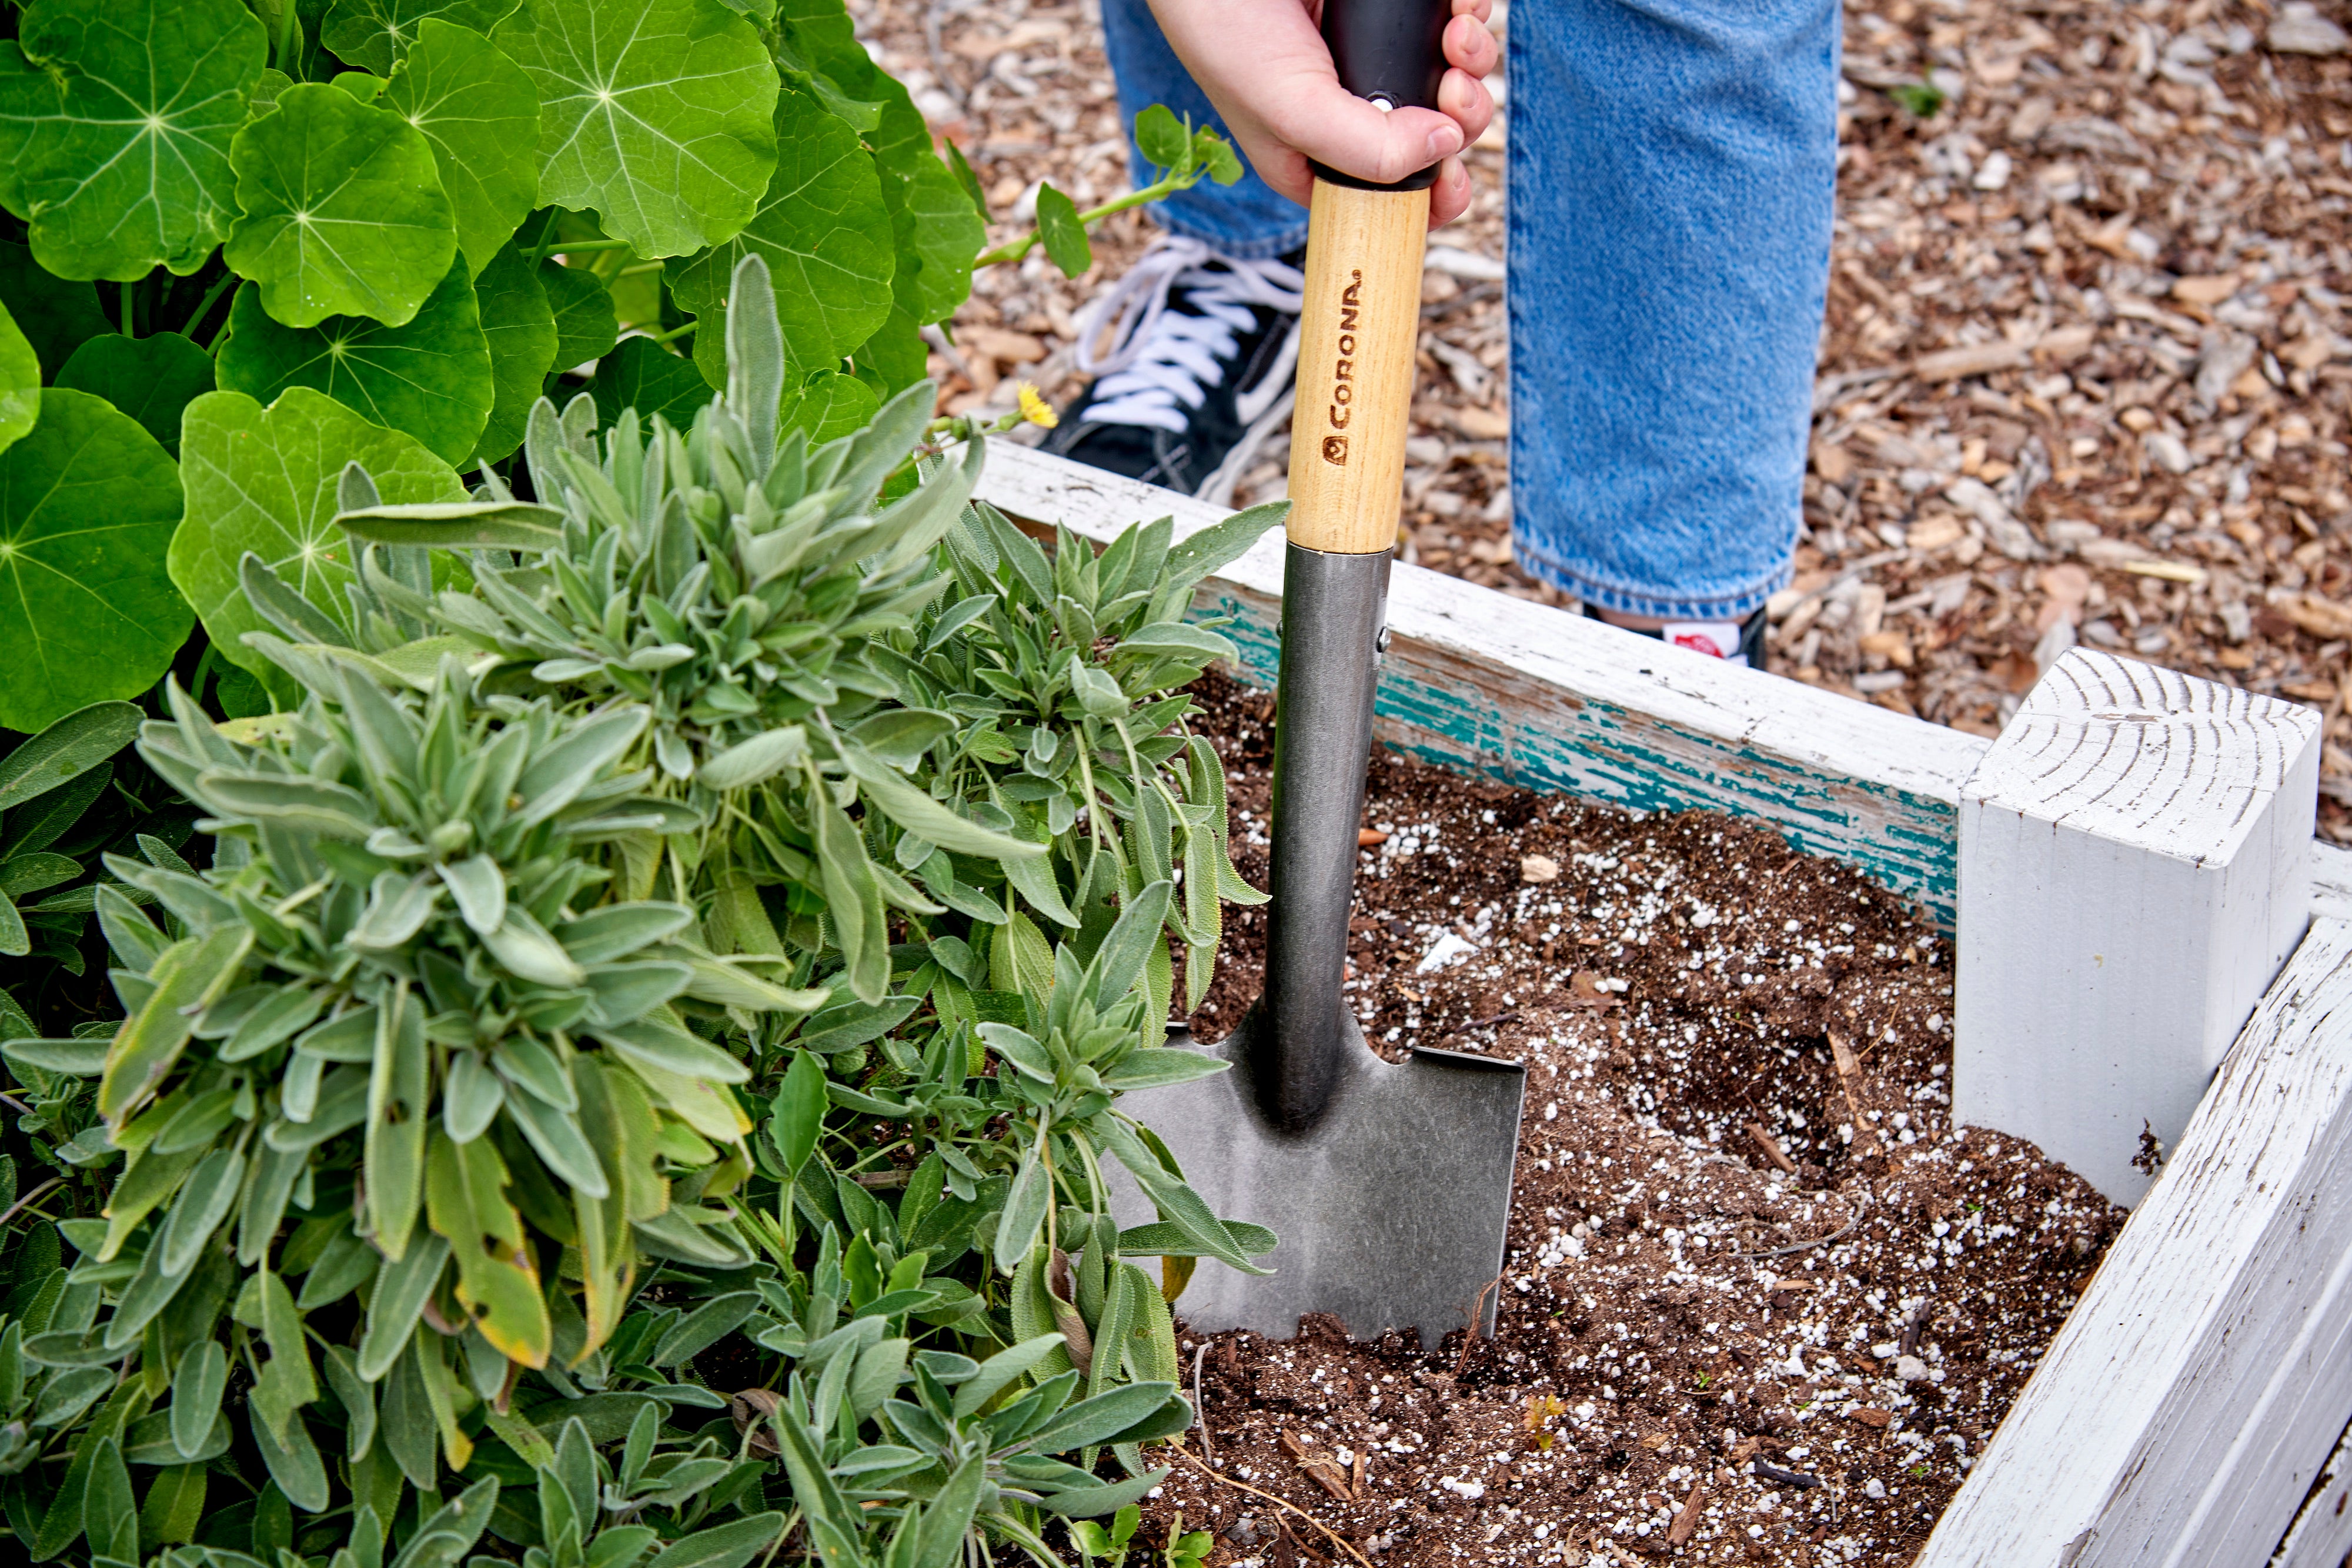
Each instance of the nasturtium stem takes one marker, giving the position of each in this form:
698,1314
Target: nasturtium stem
680,331
583,246
227,281
1166,186
290,40
129,329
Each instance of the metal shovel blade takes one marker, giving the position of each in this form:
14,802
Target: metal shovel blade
1390,1210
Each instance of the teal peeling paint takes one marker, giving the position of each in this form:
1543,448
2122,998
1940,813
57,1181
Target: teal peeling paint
1597,751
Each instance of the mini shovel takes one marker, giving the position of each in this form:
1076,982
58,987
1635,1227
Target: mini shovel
1389,1184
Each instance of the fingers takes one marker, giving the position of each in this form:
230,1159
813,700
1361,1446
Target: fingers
1482,9
1469,45
1449,198
1335,128
1465,100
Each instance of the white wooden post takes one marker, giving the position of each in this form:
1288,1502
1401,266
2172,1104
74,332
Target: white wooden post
2178,1417
2135,866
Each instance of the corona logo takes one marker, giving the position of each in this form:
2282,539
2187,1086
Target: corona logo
1343,378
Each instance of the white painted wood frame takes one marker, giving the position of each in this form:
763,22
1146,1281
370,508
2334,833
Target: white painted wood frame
2321,1536
2194,1392
1481,682
2134,860
2183,1411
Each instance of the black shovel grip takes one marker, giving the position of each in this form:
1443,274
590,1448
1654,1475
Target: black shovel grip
1393,53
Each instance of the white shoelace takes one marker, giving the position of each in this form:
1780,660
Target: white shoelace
1158,361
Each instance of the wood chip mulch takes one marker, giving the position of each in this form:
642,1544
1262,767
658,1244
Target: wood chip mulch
2085,370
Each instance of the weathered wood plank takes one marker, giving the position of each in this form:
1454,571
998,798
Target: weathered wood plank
2183,1409
1480,681
2321,1533
2134,860
2331,880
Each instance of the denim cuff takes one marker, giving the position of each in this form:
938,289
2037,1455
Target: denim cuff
1736,605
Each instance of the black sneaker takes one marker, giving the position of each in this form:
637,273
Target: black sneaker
1198,371
1738,641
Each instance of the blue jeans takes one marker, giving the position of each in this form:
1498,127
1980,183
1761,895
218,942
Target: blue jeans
1672,164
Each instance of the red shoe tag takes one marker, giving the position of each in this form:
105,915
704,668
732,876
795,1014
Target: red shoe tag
1717,639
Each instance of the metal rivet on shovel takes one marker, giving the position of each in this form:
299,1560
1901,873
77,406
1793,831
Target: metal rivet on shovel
1389,1184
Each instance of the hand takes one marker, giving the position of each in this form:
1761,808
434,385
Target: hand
1264,65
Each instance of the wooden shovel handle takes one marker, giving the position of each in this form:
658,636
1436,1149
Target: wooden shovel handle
1357,334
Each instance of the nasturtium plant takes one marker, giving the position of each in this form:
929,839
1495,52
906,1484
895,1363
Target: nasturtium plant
89,502
586,327
434,212
56,315
639,374
823,232
520,329
480,112
655,114
20,381
151,379
377,34
115,123
263,480
430,376
344,210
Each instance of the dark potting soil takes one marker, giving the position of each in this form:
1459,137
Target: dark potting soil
1755,1309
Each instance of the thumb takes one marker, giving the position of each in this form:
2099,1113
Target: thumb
1336,129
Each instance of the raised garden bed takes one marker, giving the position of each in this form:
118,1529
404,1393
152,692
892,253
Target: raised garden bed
2131,872
1722,1252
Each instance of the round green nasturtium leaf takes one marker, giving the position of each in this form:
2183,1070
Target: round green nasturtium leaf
378,34
1062,234
824,234
126,120
642,375
656,114
585,324
57,317
344,210
522,338
947,235
151,379
828,404
481,113
429,377
88,504
20,381
264,479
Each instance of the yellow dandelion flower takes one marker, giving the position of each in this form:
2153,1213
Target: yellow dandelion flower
1035,408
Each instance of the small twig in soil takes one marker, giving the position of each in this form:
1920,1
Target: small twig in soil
1278,1502
1201,1404
1911,1327
1771,1147
1807,1246
1504,1016
1470,1336
1780,1476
